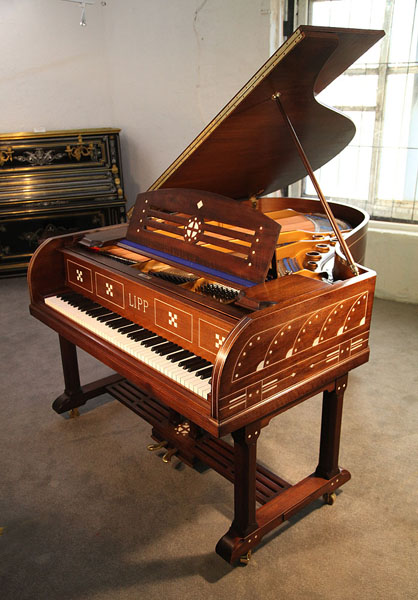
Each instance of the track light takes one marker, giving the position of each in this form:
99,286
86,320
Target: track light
82,4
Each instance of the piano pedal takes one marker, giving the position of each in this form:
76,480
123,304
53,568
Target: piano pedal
154,447
169,454
74,412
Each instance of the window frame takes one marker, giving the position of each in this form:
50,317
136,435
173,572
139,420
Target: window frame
383,70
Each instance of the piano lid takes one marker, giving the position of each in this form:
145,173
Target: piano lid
246,150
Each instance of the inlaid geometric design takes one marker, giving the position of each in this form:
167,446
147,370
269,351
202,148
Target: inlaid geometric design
286,378
211,336
172,319
219,340
109,289
302,334
193,228
183,428
357,343
79,275
182,224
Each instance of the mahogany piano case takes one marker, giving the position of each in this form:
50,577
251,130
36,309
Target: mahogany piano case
219,307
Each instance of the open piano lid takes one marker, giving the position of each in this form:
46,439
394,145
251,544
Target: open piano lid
246,150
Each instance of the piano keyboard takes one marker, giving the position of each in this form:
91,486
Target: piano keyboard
182,366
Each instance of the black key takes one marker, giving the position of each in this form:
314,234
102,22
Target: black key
168,348
127,322
141,335
79,300
75,301
205,373
86,302
153,341
91,305
167,345
180,355
69,296
134,334
190,361
130,328
206,365
108,317
118,323
197,366
98,312
115,323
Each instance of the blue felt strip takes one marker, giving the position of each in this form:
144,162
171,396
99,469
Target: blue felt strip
286,265
188,263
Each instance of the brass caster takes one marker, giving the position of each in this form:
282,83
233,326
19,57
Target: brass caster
74,413
330,498
167,456
245,558
154,447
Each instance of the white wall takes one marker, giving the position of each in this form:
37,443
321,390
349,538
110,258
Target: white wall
392,251
53,73
173,66
158,69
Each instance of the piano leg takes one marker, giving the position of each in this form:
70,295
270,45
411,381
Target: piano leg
74,394
245,466
332,409
250,525
245,452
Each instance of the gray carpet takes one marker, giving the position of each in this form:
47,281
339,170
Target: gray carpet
88,513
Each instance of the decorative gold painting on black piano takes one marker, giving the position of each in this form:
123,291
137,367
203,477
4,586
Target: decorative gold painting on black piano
56,182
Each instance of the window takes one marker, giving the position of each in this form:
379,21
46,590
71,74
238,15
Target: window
378,171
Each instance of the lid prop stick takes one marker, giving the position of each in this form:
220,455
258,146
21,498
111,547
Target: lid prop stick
315,183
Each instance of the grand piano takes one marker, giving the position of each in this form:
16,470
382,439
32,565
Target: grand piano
220,306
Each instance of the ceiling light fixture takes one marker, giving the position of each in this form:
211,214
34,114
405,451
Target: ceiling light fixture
82,4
